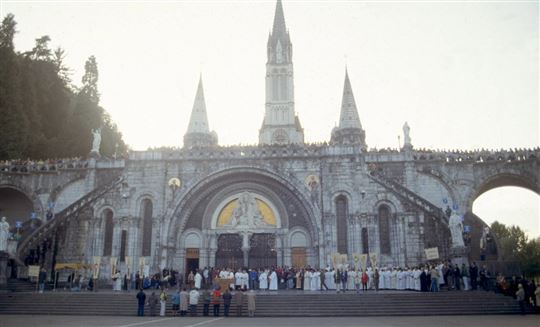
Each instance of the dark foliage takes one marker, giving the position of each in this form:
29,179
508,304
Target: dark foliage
42,114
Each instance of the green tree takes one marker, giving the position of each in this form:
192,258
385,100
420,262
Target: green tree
90,80
14,124
41,50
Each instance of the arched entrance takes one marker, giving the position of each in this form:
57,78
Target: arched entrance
229,251
262,251
500,197
15,206
244,215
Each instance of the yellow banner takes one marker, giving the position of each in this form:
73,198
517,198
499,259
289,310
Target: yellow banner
114,261
97,265
373,258
363,260
129,262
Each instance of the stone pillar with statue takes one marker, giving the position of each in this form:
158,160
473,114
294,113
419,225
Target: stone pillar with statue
4,256
458,251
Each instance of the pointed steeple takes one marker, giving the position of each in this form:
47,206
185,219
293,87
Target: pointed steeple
279,20
198,122
349,114
349,130
198,133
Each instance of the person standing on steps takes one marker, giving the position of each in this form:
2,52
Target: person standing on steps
163,302
251,303
175,300
152,303
207,297
227,297
184,299
141,300
239,300
42,278
216,301
193,301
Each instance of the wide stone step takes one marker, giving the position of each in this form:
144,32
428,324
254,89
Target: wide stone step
275,305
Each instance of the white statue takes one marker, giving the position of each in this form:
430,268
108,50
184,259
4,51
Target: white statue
456,229
97,140
483,239
246,213
4,234
406,136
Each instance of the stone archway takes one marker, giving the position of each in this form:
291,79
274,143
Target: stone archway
199,207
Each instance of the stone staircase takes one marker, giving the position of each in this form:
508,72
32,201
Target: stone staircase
282,304
17,285
408,195
34,237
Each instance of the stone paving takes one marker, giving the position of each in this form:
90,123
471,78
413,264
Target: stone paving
439,321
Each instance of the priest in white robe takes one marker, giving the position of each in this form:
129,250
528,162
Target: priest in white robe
316,281
273,281
307,280
198,280
263,280
393,279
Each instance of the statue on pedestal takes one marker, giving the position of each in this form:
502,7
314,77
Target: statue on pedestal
96,142
456,229
406,136
4,234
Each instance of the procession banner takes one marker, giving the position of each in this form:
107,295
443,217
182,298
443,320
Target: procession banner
97,265
114,261
356,258
363,260
129,263
33,271
335,260
373,258
432,253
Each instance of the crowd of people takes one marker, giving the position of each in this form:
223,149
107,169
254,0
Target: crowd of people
211,283
28,165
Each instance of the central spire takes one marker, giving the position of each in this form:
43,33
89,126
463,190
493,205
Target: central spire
280,125
279,20
349,131
198,133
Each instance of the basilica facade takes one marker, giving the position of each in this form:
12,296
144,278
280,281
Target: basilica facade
282,202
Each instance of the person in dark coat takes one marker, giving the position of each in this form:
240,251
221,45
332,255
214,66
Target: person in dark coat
141,299
423,281
227,297
153,302
473,272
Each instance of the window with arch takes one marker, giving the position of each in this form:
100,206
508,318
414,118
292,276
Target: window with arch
384,228
147,209
342,212
108,238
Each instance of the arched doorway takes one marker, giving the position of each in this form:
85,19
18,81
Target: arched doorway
15,206
229,251
262,251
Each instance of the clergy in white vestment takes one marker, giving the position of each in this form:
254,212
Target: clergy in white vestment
117,279
244,280
393,279
263,280
329,279
387,278
382,284
273,281
307,280
410,282
351,275
231,277
401,280
316,281
441,275
238,279
416,275
198,280
223,274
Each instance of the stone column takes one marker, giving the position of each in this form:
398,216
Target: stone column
3,268
245,247
212,249
279,253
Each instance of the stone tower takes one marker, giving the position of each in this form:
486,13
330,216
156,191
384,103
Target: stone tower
198,133
280,125
349,130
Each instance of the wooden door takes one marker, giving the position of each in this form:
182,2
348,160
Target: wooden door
298,256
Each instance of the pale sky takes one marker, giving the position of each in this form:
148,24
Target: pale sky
463,74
